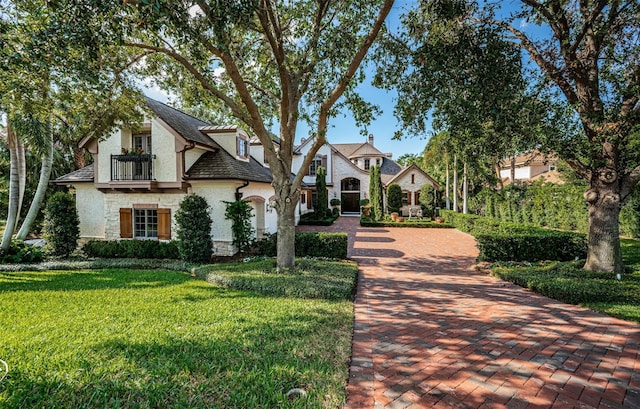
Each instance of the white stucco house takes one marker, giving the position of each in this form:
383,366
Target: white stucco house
139,177
348,176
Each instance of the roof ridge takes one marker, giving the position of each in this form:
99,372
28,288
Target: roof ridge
178,110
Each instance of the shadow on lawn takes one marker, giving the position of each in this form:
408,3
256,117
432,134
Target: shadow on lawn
89,280
252,366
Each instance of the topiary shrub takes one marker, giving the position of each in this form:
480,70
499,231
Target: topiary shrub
394,198
61,225
194,229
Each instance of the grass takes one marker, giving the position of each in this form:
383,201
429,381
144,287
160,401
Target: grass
332,280
155,338
569,283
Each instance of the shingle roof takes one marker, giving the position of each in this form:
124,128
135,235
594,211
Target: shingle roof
221,165
346,149
389,170
81,175
186,125
366,149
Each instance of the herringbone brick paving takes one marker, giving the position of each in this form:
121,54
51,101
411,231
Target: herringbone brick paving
431,332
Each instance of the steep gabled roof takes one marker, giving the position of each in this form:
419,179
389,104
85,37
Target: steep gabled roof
346,149
81,175
221,165
366,150
186,125
413,168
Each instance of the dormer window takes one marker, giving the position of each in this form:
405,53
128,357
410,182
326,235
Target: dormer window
315,164
243,147
367,164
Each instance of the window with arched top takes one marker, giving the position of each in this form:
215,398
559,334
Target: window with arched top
350,184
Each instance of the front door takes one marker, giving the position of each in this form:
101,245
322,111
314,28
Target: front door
350,202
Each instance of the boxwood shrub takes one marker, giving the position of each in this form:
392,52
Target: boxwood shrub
132,249
532,246
21,252
311,219
330,245
498,241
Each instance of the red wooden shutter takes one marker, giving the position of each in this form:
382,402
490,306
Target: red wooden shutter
126,223
308,199
164,224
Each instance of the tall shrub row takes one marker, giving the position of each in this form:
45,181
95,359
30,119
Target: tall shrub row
376,193
194,229
550,205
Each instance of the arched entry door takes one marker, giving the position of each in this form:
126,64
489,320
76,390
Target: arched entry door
350,195
257,219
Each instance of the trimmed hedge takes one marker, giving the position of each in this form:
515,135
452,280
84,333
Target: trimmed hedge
330,245
515,242
132,249
532,246
368,222
310,219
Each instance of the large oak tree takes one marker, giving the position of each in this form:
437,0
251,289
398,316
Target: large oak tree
266,61
589,52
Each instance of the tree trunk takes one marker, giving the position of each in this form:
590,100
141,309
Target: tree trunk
455,183
286,244
500,181
604,205
513,170
465,190
38,198
448,198
14,190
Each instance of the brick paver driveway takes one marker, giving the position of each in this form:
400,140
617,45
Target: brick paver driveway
432,332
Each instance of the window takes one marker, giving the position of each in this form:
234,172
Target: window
350,185
145,223
405,198
377,162
303,197
413,179
243,147
315,164
142,143
367,164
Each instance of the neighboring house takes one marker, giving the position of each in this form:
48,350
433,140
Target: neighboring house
348,177
139,177
530,166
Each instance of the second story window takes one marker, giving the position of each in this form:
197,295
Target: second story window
142,143
367,164
243,147
315,164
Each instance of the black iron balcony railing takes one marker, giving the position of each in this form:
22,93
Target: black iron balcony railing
132,167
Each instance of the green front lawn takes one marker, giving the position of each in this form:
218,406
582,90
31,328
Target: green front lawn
567,282
153,338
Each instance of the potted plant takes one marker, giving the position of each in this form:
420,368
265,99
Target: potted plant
439,219
365,207
334,202
394,216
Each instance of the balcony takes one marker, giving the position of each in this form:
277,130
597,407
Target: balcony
132,167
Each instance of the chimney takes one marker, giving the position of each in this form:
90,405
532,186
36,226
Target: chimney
371,139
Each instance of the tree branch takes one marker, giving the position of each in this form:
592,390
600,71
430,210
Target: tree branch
235,108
